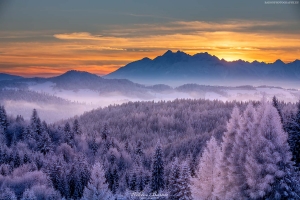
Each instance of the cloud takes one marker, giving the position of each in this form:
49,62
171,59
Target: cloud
78,36
104,51
175,27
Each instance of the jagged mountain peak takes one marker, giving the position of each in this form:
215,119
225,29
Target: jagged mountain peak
278,61
180,66
173,57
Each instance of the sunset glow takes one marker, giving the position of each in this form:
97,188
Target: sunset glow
106,47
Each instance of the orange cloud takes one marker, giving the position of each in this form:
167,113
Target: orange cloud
105,52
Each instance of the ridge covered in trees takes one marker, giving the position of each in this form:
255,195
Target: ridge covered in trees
181,149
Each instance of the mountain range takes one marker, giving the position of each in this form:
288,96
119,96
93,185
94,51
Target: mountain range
204,68
72,80
4,76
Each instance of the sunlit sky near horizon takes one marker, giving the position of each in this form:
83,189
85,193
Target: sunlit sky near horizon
46,38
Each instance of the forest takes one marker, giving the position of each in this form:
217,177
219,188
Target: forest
181,149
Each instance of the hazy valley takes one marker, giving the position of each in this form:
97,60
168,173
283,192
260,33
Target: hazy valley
75,92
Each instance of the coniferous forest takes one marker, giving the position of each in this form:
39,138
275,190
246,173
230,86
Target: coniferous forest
181,149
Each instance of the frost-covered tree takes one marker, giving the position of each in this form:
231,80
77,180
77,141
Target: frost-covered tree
275,103
3,119
69,135
28,195
269,158
204,184
97,187
184,183
174,182
92,143
7,194
76,127
104,133
44,143
78,177
157,179
241,148
133,182
35,122
229,139
293,129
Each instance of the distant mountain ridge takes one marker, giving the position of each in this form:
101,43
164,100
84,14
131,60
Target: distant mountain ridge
77,80
4,76
204,67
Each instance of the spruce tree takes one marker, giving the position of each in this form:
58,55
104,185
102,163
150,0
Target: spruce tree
275,103
133,182
44,144
69,135
3,119
28,195
116,180
76,127
174,187
184,183
104,133
157,179
35,122
293,129
7,194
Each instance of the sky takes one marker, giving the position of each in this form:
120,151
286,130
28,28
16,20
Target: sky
47,38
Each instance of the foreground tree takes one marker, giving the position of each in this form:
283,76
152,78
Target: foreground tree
97,187
241,147
184,183
206,180
158,181
293,129
28,195
225,166
3,119
7,194
268,164
174,184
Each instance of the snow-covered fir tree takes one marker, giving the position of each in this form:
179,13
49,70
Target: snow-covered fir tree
35,122
76,127
240,149
174,180
7,194
275,103
3,119
204,184
184,183
28,195
269,158
97,187
224,185
157,178
293,129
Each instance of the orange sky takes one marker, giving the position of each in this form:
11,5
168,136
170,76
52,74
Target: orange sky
53,53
